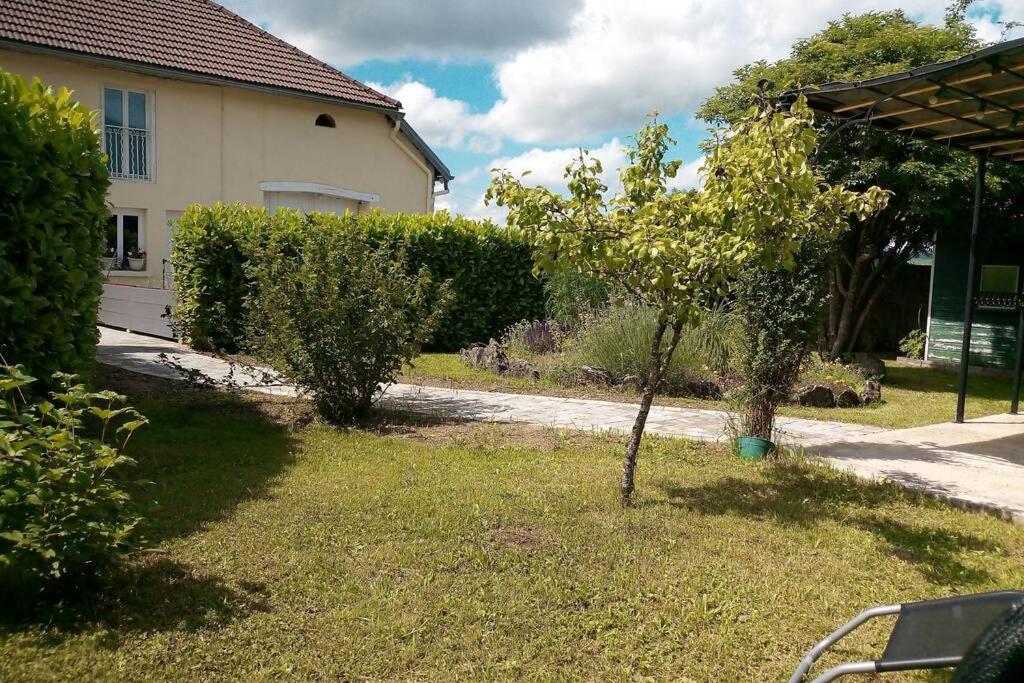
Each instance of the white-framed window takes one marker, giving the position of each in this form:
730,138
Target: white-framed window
128,133
126,237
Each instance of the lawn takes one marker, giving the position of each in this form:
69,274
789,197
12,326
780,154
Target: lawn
913,396
418,550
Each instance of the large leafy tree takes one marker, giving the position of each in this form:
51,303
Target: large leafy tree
760,199
931,185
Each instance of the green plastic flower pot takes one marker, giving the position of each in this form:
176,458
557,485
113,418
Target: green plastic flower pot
753,448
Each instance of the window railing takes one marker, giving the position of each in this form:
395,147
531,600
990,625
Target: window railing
127,152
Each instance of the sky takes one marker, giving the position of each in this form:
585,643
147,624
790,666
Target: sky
524,84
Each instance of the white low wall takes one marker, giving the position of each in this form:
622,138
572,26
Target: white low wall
139,309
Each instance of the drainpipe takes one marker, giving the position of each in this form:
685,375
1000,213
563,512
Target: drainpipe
426,169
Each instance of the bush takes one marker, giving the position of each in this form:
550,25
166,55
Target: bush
343,317
53,185
490,269
618,339
818,370
62,509
571,297
780,311
912,346
533,337
210,250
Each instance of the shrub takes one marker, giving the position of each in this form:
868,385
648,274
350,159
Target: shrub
571,297
818,370
619,340
210,250
343,317
490,269
62,508
780,311
533,337
53,185
912,346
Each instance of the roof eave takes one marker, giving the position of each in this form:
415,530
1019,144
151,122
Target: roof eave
441,170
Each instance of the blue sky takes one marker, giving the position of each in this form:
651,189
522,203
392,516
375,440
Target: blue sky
523,85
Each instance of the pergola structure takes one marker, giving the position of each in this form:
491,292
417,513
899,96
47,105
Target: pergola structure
974,104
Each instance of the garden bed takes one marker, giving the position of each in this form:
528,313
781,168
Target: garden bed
432,550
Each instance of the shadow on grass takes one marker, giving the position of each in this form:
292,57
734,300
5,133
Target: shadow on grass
155,595
203,454
804,495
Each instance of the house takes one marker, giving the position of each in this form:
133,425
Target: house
196,104
1000,260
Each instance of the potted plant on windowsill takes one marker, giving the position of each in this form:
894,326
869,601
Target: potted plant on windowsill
136,259
108,258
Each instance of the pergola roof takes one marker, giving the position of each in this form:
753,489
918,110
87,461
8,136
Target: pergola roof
974,103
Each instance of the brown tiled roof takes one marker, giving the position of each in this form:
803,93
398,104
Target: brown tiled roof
196,36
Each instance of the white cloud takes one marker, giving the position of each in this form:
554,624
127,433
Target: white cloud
622,60
442,121
994,14
347,32
689,175
547,168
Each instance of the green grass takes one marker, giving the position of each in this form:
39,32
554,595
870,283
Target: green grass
913,396
447,551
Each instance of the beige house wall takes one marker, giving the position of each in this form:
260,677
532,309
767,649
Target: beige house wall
218,143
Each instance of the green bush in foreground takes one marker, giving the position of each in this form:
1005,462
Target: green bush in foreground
490,268
210,250
62,509
343,317
53,185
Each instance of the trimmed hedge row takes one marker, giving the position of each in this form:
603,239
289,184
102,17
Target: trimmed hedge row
490,268
53,186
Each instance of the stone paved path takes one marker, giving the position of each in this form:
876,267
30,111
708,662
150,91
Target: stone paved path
978,464
140,353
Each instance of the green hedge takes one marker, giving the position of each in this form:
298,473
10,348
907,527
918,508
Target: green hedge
490,268
53,185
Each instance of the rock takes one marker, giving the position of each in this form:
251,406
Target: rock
631,382
847,398
522,368
493,358
471,356
589,375
872,392
869,366
817,396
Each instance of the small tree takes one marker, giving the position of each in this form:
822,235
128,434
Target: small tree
673,250
780,312
342,317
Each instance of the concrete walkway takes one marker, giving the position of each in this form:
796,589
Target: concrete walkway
977,464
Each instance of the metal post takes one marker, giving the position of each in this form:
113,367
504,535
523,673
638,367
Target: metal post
1015,400
965,348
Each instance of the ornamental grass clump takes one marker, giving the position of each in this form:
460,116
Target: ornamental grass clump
64,511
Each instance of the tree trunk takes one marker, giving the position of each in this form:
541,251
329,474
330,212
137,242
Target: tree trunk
760,418
655,370
842,340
